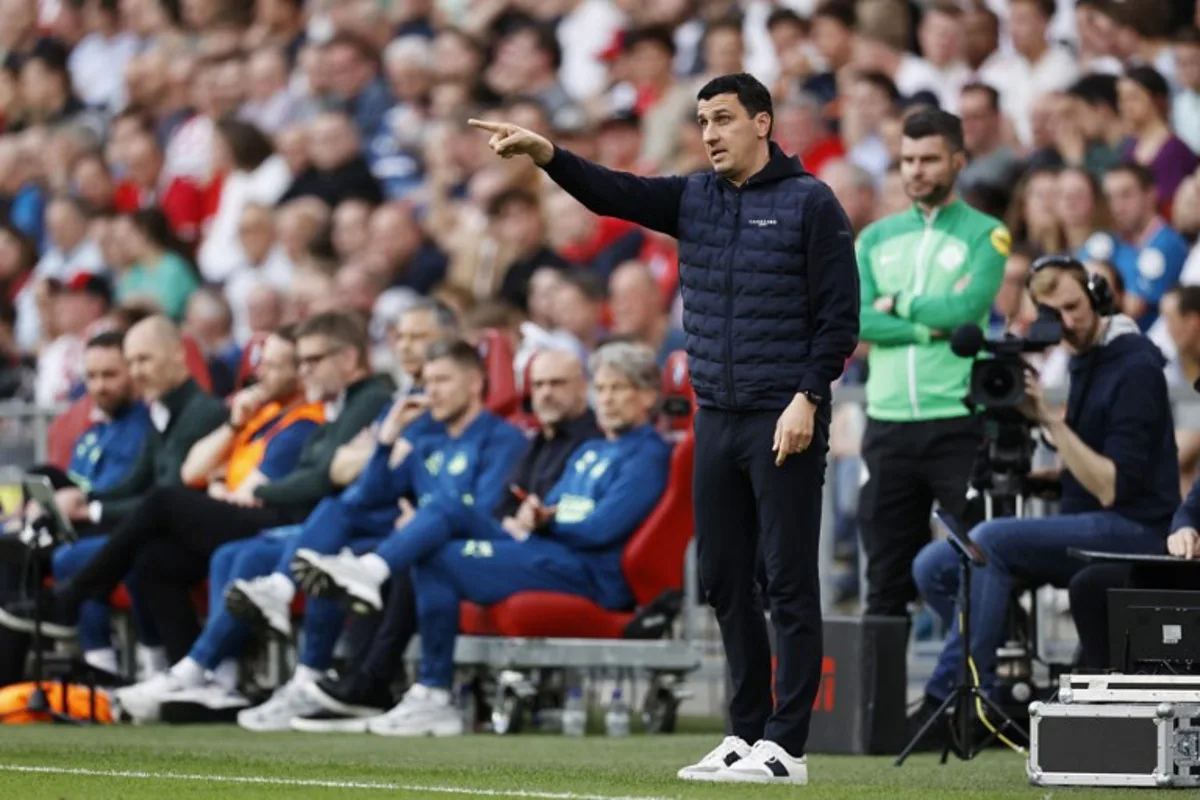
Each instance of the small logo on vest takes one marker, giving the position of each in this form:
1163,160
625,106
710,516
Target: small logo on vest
763,223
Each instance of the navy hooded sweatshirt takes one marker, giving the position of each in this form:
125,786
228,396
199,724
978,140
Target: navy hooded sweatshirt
1118,406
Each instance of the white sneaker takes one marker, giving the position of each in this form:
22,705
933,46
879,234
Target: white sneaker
334,576
259,602
211,696
728,752
422,712
143,701
289,701
766,763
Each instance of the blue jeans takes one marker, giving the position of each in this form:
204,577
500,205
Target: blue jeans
225,637
1031,550
95,624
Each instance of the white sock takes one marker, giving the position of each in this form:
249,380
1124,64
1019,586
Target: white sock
375,567
305,674
152,660
105,658
281,586
226,674
189,672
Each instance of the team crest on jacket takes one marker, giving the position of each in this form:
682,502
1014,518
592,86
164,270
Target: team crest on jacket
458,464
1001,239
1099,246
951,257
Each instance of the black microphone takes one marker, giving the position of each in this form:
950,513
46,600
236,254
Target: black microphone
966,341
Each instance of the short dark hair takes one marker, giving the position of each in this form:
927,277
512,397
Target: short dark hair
751,93
1046,7
840,11
443,315
458,351
359,44
108,340
248,145
1140,173
1151,80
724,23
1189,299
881,82
992,95
786,16
8,313
516,195
1096,89
935,122
286,332
590,285
344,328
654,34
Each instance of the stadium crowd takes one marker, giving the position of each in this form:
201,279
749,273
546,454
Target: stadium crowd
293,186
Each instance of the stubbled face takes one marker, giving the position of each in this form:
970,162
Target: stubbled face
450,389
108,381
928,169
731,137
1080,322
558,388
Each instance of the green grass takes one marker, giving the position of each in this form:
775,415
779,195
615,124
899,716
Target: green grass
638,767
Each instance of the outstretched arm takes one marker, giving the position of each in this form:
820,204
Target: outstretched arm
650,202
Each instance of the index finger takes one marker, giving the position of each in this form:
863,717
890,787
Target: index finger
493,127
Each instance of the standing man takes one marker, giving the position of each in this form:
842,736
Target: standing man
770,301
924,272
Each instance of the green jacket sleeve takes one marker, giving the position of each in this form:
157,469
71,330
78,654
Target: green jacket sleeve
947,311
876,327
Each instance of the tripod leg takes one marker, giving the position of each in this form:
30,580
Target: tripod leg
929,723
1003,721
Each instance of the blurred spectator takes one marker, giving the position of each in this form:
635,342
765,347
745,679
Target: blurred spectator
881,44
1180,309
92,182
637,311
658,98
526,62
1080,207
1185,108
338,171
18,371
801,129
17,260
833,25
515,220
350,228
854,188
991,161
1033,68
271,104
264,261
78,305
71,249
892,199
1031,213
265,307
940,36
1087,127
209,322
147,186
252,174
159,269
97,62
1144,102
399,252
873,98
578,307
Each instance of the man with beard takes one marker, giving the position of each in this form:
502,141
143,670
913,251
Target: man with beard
1119,474
923,272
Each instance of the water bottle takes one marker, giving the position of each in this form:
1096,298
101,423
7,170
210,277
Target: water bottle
574,716
616,720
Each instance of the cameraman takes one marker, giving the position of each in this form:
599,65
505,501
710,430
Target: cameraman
1120,484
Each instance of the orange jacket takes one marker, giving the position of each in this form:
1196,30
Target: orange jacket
248,450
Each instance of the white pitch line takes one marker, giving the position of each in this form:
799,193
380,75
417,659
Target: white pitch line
302,782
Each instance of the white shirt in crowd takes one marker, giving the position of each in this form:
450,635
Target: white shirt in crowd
97,67
276,270
63,266
221,252
1020,83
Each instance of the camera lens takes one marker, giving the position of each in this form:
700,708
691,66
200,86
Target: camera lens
998,383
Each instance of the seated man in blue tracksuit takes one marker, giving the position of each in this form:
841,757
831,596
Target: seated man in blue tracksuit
103,457
462,454
1120,482
571,541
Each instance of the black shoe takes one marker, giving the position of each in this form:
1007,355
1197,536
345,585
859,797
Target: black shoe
938,734
326,721
59,619
352,695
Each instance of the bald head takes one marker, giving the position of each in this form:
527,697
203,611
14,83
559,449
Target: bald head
558,388
157,364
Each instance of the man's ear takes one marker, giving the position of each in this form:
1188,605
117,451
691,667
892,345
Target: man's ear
959,160
763,124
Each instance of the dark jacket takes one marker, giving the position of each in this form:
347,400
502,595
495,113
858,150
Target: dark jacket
194,413
301,490
1118,406
352,180
767,270
1188,513
544,460
109,449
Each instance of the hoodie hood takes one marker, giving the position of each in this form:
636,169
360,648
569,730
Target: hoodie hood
1122,340
779,166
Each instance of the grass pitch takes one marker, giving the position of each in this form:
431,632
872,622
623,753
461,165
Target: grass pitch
130,763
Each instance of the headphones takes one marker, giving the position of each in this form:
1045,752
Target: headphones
1098,292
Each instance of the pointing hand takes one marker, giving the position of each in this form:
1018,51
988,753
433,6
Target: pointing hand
509,140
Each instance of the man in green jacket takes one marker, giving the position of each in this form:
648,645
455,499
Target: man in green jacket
174,529
923,273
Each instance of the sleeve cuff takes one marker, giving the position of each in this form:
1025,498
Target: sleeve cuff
813,383
903,306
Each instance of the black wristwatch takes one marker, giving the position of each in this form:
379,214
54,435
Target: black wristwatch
814,398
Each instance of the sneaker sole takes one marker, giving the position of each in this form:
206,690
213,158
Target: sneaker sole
25,625
331,703
319,583
184,712
731,776
436,731
355,725
707,776
243,609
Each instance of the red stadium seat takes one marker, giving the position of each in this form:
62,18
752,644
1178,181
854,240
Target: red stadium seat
251,355
497,351
678,398
66,429
197,363
653,563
